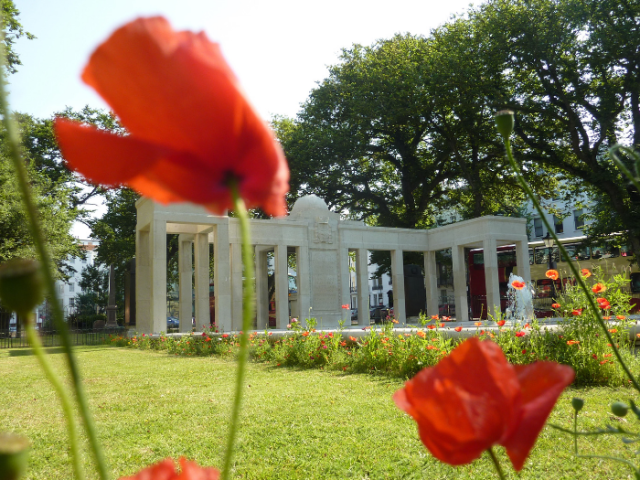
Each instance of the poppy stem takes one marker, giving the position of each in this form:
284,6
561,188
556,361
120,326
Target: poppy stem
496,463
65,399
13,143
592,304
575,431
247,317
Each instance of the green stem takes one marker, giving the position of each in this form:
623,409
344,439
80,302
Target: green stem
575,431
525,186
247,317
38,240
496,463
67,407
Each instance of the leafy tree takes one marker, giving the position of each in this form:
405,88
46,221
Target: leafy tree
571,71
13,30
95,280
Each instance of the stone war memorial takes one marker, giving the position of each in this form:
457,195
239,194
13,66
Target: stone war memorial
321,242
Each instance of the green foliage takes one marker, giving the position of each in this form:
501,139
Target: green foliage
13,30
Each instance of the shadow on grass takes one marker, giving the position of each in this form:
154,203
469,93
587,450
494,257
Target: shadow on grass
26,351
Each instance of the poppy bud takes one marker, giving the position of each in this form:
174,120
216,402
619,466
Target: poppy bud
619,409
505,122
21,288
577,404
13,456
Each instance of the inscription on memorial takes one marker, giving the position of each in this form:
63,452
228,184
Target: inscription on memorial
325,288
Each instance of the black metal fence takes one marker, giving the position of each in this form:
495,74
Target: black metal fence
51,338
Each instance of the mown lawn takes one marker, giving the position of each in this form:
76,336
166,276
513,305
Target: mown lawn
297,424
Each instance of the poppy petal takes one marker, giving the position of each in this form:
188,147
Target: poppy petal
163,470
103,157
541,384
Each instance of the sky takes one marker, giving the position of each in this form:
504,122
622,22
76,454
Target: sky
279,49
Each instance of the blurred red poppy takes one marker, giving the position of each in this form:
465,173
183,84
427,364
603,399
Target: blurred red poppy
585,272
518,285
345,306
165,470
501,323
598,288
552,274
458,329
520,334
555,305
474,399
191,129
603,303
577,312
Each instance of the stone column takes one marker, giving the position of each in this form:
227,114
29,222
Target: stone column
185,274
304,281
201,277
522,260
282,286
460,283
236,286
262,287
362,272
158,250
112,308
222,276
397,273
491,280
143,280
345,290
431,282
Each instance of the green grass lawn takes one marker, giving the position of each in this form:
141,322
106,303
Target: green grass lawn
297,424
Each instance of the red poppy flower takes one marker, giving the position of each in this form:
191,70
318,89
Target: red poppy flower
191,128
620,317
421,334
474,399
577,312
442,325
613,330
458,329
165,470
552,274
518,285
345,306
585,272
478,324
501,323
431,327
555,305
598,288
434,317
573,342
431,347
603,303
520,334
446,319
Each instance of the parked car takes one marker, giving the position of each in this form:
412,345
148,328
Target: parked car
354,314
172,322
378,314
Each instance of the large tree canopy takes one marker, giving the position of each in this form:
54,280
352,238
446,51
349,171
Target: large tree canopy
571,71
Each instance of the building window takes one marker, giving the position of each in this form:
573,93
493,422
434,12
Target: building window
578,219
537,227
71,287
61,288
558,225
72,302
84,260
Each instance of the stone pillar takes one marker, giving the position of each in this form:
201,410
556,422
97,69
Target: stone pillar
362,272
222,276
431,282
460,283
185,275
282,286
397,274
201,277
236,286
345,290
143,280
522,260
262,287
491,280
304,281
112,308
158,251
